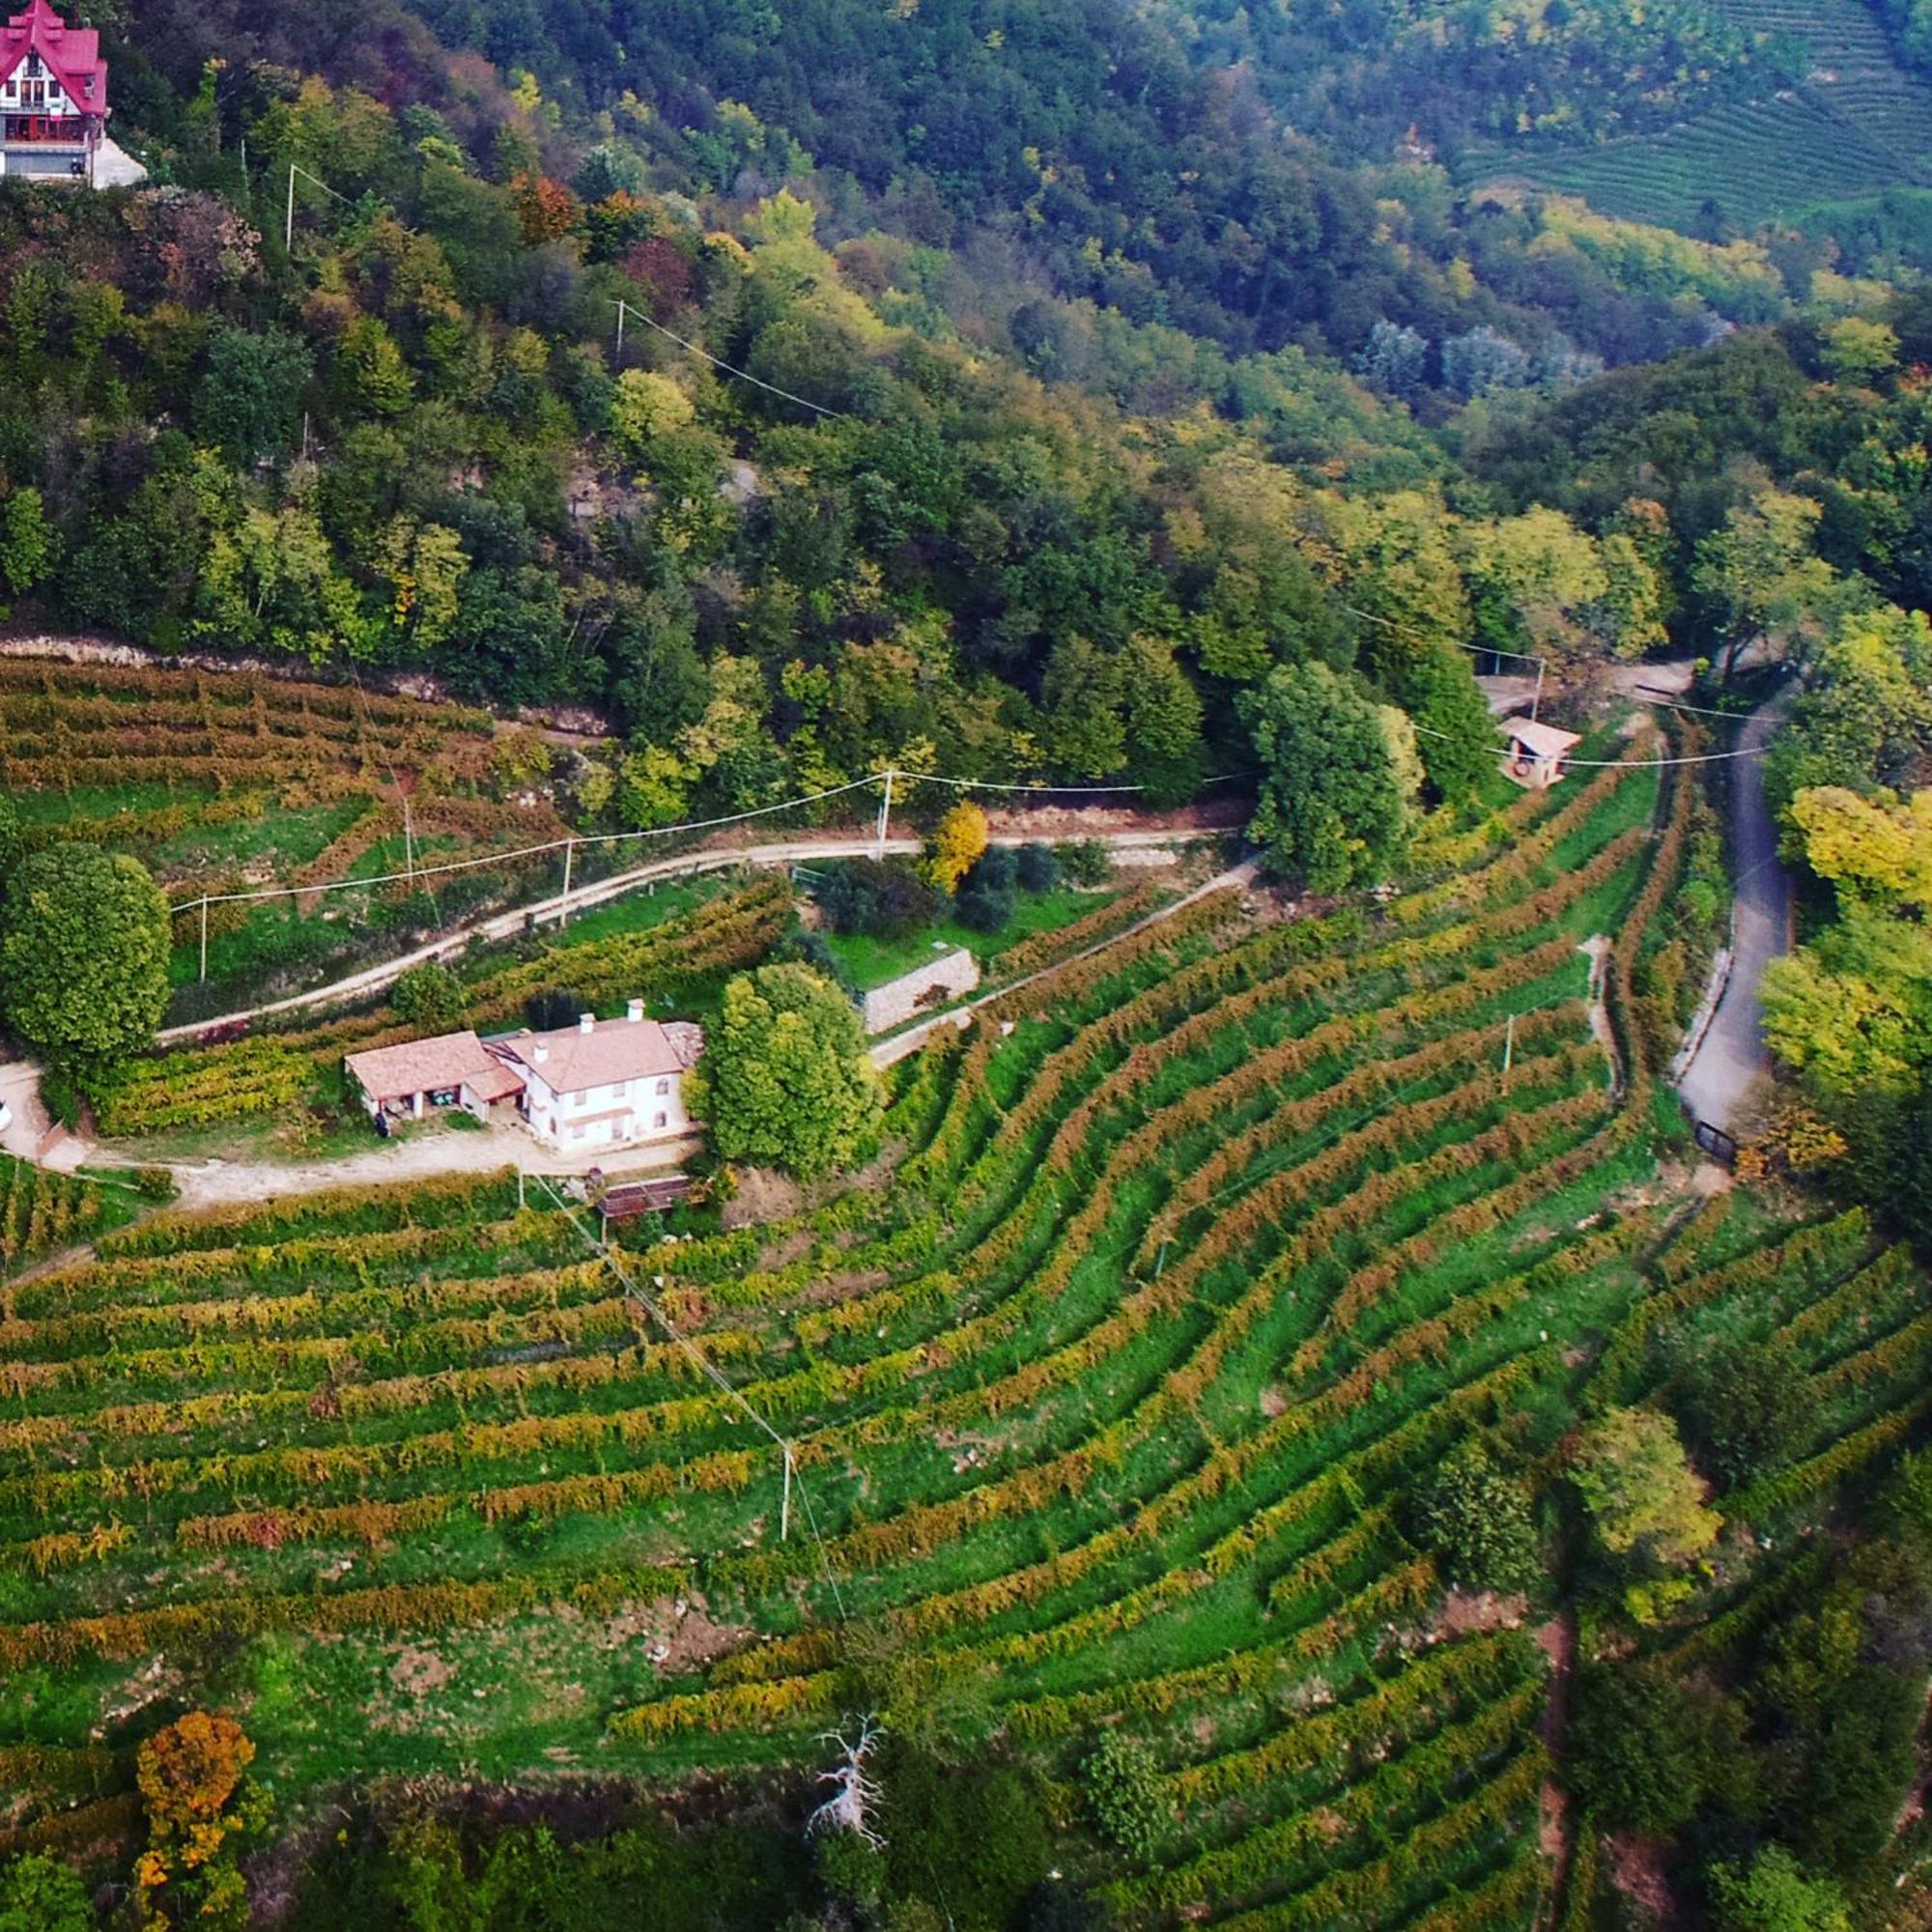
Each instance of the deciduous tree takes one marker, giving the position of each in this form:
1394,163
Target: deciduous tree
84,943
785,1077
957,843
1644,1499
1331,811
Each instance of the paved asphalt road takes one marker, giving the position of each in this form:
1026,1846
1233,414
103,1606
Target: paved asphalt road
1733,1057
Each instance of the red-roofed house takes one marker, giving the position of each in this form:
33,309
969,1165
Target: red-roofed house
53,97
604,1083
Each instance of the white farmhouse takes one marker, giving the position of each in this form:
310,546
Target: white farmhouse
604,1083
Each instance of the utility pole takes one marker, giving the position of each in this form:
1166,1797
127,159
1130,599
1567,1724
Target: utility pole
886,810
619,362
408,847
289,226
203,935
785,1505
563,905
1536,698
1509,1050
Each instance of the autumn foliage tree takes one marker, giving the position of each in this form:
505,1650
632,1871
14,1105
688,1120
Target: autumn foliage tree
546,210
955,847
192,1778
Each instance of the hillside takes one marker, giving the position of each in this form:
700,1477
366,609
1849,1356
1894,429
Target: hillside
416,1478
1854,121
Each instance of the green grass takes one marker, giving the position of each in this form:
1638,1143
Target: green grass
870,962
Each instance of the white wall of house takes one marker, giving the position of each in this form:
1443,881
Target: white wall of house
617,1114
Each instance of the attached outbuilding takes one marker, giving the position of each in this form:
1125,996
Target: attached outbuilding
453,1069
1536,752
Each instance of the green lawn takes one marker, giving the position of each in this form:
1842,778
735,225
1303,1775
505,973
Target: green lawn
870,962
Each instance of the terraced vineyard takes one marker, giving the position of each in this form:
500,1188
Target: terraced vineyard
226,784
1859,123
1198,1253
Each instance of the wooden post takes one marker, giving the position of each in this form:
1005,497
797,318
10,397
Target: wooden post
563,905
203,935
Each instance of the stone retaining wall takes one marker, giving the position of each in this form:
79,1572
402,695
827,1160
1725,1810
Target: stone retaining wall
945,977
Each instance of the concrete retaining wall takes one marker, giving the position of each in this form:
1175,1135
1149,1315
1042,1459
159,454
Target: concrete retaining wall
945,977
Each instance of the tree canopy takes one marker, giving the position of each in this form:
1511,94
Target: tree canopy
1331,813
785,1077
84,946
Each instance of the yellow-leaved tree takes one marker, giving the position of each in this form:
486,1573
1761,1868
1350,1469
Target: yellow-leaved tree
957,843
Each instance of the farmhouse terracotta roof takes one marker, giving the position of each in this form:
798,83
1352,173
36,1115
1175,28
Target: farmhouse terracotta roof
572,1059
1545,741
440,1065
71,53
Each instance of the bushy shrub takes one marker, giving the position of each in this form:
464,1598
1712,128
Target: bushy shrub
984,908
996,870
557,1007
884,899
1743,1409
429,996
1038,868
1125,1796
38,1893
1085,862
1477,1520
1642,1751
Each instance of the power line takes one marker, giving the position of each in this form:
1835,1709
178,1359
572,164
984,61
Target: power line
712,1373
996,784
1627,764
744,374
260,893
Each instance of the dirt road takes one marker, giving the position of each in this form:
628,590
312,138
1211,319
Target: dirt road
552,910
216,1184
1732,1057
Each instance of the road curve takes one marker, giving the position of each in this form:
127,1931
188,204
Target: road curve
1732,1057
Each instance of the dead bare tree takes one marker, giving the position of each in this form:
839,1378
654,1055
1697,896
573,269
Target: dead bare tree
854,1796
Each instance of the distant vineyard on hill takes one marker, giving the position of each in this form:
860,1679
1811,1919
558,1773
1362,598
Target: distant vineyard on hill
1857,122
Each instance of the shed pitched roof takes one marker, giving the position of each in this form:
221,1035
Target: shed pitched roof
71,53
1545,741
448,1060
572,1061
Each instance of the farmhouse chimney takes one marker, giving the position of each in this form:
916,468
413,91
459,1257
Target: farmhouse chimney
586,1022
539,1053
633,1010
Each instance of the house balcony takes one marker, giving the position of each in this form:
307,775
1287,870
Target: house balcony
43,131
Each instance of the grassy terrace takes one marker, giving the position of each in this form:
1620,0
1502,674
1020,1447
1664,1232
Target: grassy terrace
1105,1406
870,961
